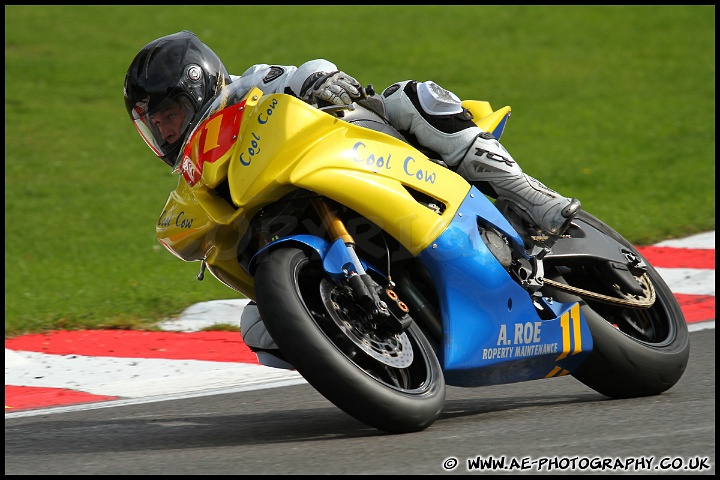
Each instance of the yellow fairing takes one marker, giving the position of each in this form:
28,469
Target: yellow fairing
485,118
287,144
189,232
183,223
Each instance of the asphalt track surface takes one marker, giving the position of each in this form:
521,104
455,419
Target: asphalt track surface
62,374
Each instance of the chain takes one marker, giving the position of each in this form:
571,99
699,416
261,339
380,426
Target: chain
644,302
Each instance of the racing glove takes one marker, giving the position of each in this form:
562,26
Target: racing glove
337,88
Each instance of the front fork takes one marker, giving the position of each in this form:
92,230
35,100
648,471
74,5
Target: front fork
381,305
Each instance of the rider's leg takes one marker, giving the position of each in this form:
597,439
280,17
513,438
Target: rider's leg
436,119
256,336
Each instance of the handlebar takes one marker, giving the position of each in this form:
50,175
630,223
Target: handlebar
368,91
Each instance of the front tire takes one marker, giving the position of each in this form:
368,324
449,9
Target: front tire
392,382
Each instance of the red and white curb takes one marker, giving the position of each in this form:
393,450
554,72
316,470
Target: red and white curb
68,370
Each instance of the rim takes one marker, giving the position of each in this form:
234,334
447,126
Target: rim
650,326
398,361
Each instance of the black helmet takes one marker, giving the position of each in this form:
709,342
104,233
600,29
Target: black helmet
171,77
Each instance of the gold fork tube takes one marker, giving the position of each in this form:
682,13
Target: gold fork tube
331,221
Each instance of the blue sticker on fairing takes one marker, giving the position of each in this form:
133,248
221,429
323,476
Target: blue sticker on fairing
492,332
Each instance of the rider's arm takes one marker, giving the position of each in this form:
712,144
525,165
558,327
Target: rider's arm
313,81
282,78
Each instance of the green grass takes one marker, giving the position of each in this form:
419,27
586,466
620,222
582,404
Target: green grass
612,104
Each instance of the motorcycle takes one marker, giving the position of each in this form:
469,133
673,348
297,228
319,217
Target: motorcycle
384,276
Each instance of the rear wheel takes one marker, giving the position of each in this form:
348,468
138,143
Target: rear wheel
637,351
390,381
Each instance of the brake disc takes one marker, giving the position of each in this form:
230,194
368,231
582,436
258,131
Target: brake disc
394,350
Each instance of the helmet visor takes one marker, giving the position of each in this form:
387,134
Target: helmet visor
163,128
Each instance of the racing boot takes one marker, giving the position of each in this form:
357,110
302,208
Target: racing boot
434,118
488,161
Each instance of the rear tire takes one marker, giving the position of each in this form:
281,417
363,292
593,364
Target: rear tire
637,352
392,382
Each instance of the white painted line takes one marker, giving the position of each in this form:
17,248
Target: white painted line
701,240
690,281
153,399
134,377
696,327
206,314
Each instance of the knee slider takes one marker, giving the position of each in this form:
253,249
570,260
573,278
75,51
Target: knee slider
428,98
252,329
435,100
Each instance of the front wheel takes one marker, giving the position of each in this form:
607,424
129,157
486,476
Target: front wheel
390,381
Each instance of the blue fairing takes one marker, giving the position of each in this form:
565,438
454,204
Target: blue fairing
493,333
500,128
